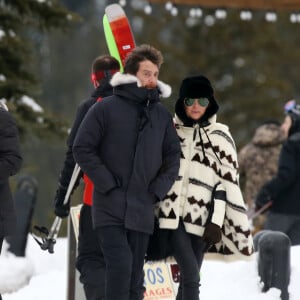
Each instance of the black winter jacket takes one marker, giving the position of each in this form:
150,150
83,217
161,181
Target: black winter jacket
10,163
104,90
128,147
284,188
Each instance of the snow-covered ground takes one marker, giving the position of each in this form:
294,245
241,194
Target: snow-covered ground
43,276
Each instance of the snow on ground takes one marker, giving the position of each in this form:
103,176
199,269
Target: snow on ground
43,276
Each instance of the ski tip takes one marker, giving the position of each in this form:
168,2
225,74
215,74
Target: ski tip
114,11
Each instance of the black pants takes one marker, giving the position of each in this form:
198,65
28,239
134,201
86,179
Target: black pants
124,253
188,252
1,242
90,261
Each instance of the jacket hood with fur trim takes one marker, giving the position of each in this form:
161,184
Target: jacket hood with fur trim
3,106
121,79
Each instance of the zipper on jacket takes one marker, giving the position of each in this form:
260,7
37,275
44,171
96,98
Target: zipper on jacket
148,111
134,154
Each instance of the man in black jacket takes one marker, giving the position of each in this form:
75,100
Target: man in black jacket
128,146
10,164
90,261
284,188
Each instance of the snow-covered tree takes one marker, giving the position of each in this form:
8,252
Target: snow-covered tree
20,21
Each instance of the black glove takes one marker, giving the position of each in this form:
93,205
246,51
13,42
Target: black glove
212,234
60,209
262,198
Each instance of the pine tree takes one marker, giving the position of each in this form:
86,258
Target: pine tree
20,21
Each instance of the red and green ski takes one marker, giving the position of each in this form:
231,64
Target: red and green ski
118,34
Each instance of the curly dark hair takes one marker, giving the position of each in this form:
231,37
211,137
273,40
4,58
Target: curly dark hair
139,54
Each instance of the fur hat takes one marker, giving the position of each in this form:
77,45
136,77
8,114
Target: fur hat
196,87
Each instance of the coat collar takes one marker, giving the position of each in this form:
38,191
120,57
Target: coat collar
3,105
120,79
211,120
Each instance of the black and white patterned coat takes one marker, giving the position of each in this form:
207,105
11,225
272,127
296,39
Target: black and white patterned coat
207,189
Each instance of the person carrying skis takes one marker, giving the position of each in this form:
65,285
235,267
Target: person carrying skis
10,164
127,145
204,209
284,188
90,262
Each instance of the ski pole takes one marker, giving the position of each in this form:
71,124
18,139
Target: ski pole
253,214
49,241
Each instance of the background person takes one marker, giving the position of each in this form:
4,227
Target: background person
258,161
90,262
10,164
284,188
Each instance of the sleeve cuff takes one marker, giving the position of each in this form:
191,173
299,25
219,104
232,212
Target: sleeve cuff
219,212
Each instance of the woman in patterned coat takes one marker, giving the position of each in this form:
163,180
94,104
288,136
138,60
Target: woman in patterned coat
204,210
